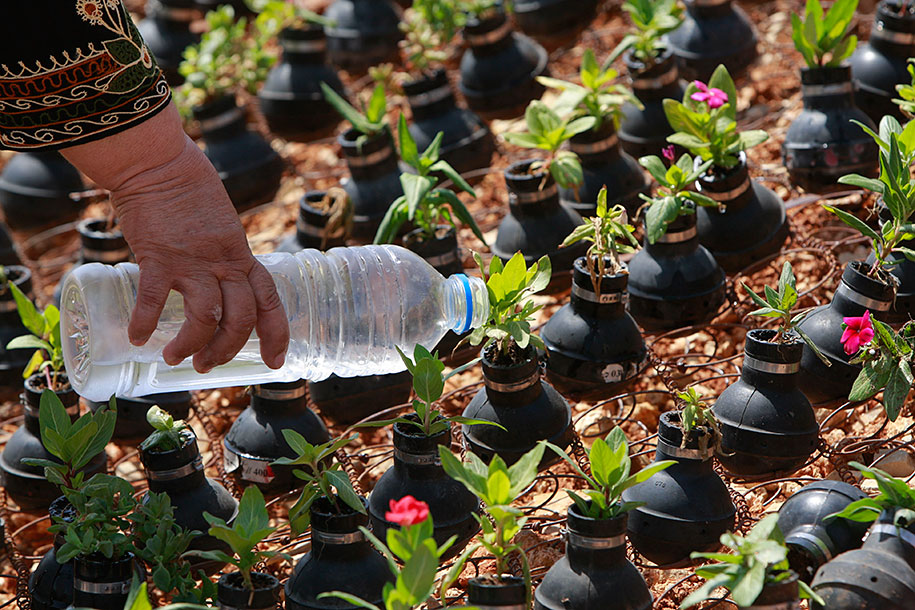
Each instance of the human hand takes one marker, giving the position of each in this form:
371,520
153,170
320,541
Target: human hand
186,236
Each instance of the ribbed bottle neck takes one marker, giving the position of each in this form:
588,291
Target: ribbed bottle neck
466,302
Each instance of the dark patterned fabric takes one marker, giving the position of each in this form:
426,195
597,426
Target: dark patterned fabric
73,71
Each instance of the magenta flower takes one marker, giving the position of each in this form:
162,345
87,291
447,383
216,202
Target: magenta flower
668,152
858,332
714,97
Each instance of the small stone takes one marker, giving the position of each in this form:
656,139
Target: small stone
896,462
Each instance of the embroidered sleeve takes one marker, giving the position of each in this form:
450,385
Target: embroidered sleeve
89,77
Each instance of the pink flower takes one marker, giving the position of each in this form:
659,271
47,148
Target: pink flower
858,332
407,511
668,152
714,97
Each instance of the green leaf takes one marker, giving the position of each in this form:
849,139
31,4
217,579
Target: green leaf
897,388
350,599
359,122
870,184
377,105
31,319
408,151
415,189
655,167
853,222
523,472
721,79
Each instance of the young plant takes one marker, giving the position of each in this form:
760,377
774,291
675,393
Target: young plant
695,413
597,96
229,58
168,433
445,17
906,92
160,543
672,198
275,15
757,560
321,475
820,35
45,339
428,384
138,599
414,547
479,8
371,121
423,202
652,19
886,363
897,190
706,122
101,525
511,309
250,527
497,486
422,44
73,443
894,494
780,304
610,235
546,131
609,464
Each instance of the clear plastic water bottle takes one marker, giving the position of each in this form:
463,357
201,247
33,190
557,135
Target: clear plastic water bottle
347,308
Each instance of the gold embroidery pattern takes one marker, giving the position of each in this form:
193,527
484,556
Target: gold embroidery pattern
82,93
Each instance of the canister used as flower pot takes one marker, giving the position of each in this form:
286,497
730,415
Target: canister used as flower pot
855,294
248,166
467,143
879,64
675,282
347,400
35,189
812,539
418,472
713,32
13,361
362,34
767,424
527,407
685,507
537,223
166,30
502,591
102,583
97,244
594,345
231,592
554,23
644,131
311,226
594,573
374,180
256,436
131,422
25,484
604,164
179,473
443,254
291,99
751,225
500,67
878,576
340,559
903,270
782,595
822,144
51,583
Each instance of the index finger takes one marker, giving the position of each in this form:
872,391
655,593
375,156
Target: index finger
272,325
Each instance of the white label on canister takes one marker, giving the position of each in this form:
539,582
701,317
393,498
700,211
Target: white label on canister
255,470
612,373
